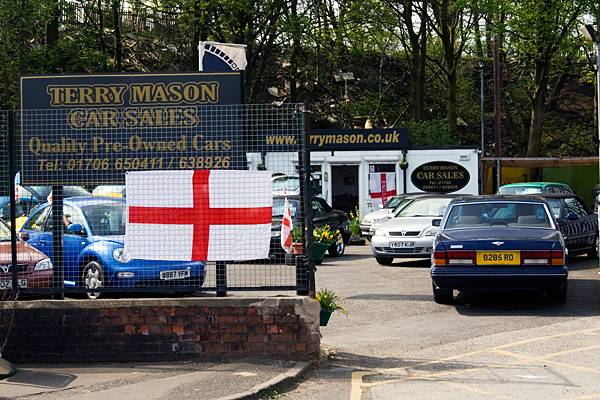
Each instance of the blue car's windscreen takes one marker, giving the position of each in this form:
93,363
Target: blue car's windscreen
106,219
4,232
498,214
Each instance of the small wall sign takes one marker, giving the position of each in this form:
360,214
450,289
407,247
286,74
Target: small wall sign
440,177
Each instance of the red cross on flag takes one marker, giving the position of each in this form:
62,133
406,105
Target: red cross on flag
198,215
382,185
286,228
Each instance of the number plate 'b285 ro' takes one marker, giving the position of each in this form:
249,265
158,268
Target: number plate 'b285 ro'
498,258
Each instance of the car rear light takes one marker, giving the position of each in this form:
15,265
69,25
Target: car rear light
453,257
543,257
461,257
558,257
439,258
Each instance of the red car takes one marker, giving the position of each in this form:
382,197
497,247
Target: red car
34,267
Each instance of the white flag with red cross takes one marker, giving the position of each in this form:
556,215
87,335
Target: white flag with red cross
382,185
198,215
286,227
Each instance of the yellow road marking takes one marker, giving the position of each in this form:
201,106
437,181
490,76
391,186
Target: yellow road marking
587,397
356,388
357,377
472,389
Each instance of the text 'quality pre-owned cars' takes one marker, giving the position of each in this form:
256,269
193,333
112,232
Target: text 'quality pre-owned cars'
94,257
499,242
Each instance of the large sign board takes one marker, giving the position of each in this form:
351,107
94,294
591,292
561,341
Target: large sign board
86,129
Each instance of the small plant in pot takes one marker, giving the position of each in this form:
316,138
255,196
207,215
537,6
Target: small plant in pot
297,240
329,302
324,237
354,224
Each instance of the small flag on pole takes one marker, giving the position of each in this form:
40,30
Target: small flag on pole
286,228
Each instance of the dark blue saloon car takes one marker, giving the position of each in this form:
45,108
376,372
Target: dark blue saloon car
499,242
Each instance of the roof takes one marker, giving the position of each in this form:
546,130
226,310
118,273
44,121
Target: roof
500,197
91,200
534,184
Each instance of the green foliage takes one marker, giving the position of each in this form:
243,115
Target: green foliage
330,301
354,224
324,234
297,234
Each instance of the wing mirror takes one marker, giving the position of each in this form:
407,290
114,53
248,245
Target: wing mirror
380,206
436,222
572,217
75,229
24,236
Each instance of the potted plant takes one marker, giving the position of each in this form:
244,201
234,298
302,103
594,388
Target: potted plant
329,302
354,225
297,247
324,237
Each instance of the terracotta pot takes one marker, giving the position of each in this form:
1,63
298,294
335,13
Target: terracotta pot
297,248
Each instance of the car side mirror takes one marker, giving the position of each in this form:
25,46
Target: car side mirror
380,205
24,236
75,229
436,222
572,217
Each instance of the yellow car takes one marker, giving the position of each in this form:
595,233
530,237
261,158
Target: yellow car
109,191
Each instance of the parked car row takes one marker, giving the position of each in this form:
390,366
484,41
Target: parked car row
520,238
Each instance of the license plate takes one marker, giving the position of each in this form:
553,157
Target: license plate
498,258
176,274
7,284
402,245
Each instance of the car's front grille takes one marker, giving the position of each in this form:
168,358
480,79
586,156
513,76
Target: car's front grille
411,250
5,269
405,233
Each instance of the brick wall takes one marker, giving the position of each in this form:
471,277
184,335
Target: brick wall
163,329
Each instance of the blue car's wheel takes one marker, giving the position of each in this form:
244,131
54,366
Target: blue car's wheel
92,278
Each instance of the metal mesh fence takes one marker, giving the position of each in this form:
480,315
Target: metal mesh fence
182,225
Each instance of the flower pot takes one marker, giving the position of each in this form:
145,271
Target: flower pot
324,316
297,248
318,251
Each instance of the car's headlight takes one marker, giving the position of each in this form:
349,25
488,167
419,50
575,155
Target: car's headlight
120,255
379,232
431,231
43,265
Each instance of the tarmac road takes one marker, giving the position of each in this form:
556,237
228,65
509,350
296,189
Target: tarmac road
396,343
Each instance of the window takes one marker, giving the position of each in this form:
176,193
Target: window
498,214
433,207
106,219
317,207
573,206
36,221
278,207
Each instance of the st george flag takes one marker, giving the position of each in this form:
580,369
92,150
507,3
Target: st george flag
198,215
382,185
286,228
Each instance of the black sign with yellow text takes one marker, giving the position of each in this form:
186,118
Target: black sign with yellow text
358,139
86,129
440,177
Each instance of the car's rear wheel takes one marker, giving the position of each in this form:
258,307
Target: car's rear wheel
338,248
594,251
92,277
442,296
384,260
559,294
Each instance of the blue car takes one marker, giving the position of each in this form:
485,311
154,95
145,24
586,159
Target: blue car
499,242
93,249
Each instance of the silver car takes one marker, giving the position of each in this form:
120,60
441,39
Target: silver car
410,234
384,213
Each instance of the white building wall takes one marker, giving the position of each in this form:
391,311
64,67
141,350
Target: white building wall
287,162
